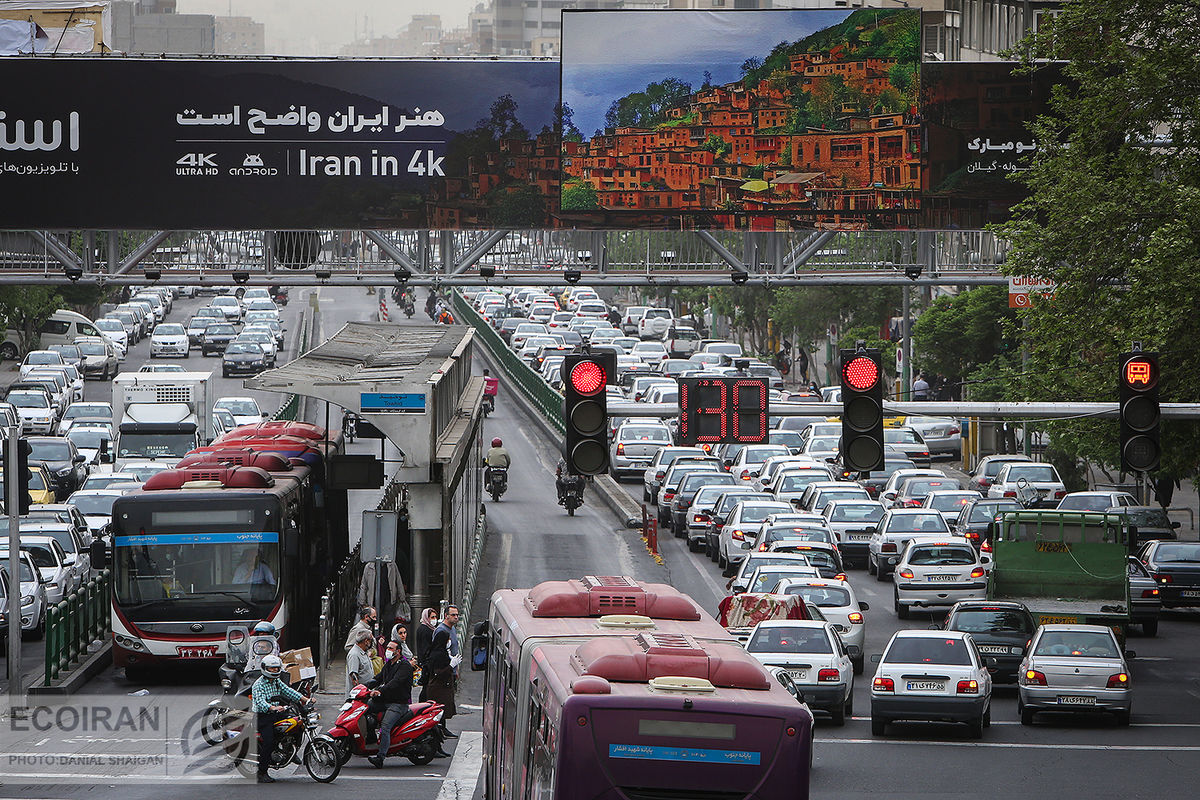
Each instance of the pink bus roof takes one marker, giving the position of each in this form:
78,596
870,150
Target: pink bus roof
593,596
646,656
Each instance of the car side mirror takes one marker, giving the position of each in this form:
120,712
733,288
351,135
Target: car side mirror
737,588
1174,524
888,495
99,554
876,658
79,458
864,606
1130,655
871,529
265,415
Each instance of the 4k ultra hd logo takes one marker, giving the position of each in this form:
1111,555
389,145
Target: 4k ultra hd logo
252,165
197,164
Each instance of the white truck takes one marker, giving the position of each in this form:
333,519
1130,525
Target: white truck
159,417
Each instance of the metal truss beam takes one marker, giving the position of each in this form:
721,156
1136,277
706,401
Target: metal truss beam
144,249
722,252
472,256
394,253
61,253
806,251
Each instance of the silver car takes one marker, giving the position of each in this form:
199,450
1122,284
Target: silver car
634,446
1074,668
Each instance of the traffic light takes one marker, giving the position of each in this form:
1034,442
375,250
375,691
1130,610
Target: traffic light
21,474
862,410
585,411
1139,412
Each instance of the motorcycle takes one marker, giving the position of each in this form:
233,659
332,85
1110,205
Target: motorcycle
409,309
489,404
297,736
497,482
243,652
354,732
572,493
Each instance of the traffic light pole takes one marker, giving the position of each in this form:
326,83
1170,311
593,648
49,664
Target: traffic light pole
12,503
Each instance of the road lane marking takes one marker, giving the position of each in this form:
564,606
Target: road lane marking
463,774
1020,745
1131,725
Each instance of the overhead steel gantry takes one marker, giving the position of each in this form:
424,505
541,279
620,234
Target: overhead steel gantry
546,257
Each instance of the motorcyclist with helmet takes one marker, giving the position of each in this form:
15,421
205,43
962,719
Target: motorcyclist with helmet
263,696
391,692
563,478
497,456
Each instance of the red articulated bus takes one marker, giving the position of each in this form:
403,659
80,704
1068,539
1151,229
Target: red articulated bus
604,688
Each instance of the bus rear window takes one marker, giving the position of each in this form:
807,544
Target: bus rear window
209,516
687,730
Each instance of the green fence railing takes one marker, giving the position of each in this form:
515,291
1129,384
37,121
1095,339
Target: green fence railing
81,618
536,390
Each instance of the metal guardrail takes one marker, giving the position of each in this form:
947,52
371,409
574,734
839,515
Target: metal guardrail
75,623
464,635
531,384
290,409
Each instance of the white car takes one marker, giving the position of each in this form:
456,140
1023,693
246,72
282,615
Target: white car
839,606
1032,477
36,409
740,582
90,441
937,573
33,597
931,675
897,526
245,410
814,656
39,358
228,305
737,532
51,561
115,332
949,503
96,504
650,352
655,322
853,522
169,340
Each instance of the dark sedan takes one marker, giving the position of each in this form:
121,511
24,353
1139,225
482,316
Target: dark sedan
1175,566
243,358
67,466
977,515
216,338
1147,523
1000,630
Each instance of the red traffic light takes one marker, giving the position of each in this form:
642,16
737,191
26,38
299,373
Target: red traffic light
860,373
588,377
1140,373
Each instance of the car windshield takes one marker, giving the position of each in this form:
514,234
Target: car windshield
865,512
50,450
900,436
26,572
1033,472
220,330
757,513
1085,502
789,640
28,400
731,500
935,556
93,505
923,486
1088,644
928,650
821,596
916,523
799,481
767,578
169,330
986,512
110,325
950,502
89,438
798,532
992,468
44,358
193,570
244,347
1177,553
992,620
239,407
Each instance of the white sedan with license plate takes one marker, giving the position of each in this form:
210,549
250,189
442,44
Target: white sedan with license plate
1074,668
839,606
935,676
634,447
938,572
815,658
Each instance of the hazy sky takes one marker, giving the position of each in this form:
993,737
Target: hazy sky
322,27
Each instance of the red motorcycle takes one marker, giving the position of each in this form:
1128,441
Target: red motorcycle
419,739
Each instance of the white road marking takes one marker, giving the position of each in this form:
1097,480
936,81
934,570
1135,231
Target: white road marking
1019,745
463,774
469,707
1132,724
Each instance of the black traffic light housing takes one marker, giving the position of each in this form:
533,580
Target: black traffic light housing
862,410
585,411
21,474
1139,412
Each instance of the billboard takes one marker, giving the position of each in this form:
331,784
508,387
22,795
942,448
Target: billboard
806,117
237,144
976,116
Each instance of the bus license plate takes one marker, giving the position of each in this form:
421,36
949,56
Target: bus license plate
1075,700
205,651
1189,593
798,674
927,686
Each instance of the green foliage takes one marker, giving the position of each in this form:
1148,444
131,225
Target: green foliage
24,308
516,205
647,108
715,144
870,337
1114,223
959,332
755,173
579,196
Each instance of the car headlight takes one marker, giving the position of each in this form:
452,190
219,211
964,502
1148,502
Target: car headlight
26,600
64,472
51,586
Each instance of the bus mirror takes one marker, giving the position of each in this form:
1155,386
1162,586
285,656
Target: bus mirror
99,553
479,647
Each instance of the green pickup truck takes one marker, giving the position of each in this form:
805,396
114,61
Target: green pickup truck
1065,566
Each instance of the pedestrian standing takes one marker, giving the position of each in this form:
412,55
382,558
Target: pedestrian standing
920,387
442,665
802,364
400,637
367,618
359,668
422,639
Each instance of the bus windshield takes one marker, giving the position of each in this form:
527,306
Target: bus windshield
196,567
156,445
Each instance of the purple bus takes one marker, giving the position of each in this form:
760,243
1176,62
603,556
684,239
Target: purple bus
607,689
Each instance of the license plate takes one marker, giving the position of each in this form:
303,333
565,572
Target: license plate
993,648
798,674
941,578
1075,700
858,537
205,651
927,686
1051,619
1189,593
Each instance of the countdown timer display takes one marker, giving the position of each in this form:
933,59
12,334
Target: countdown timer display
723,411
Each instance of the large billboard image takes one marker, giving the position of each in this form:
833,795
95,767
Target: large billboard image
231,144
766,118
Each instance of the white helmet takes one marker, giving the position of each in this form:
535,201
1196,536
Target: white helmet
272,665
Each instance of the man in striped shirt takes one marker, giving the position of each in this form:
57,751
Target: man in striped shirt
263,695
